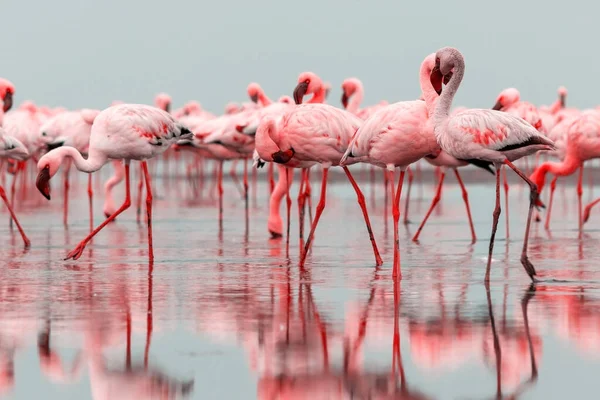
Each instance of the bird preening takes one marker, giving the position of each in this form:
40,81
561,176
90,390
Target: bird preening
398,139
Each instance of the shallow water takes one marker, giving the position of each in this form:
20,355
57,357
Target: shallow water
228,316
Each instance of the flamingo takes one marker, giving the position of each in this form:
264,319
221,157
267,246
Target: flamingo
382,139
317,133
70,128
352,96
257,94
7,90
12,148
488,135
582,143
126,132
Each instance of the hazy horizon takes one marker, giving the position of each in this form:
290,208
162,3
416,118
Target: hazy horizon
87,54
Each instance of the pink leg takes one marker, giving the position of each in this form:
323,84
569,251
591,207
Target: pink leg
245,181
496,216
76,253
320,208
396,272
407,201
588,208
434,202
465,197
552,189
533,198
66,194
271,180
139,196
288,203
90,197
579,195
363,206
307,194
148,209
506,204
26,241
301,203
235,179
220,190
385,201
13,187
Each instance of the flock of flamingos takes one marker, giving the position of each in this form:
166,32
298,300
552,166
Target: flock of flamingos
292,133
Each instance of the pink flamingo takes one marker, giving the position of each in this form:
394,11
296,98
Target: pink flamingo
127,132
445,160
257,94
582,143
381,141
352,96
12,148
317,133
487,135
70,128
7,90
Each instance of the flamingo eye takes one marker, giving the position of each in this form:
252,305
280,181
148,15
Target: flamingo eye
307,81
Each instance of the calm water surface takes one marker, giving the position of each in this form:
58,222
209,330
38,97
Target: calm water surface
227,315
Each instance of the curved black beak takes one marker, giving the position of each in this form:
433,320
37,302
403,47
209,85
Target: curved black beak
54,145
563,101
8,101
447,77
168,108
299,92
344,100
43,182
327,93
254,98
436,78
497,106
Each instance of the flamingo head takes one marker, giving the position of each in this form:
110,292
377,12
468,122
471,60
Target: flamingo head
349,87
163,101
7,90
11,147
539,178
507,98
308,83
445,61
232,108
254,91
47,168
286,100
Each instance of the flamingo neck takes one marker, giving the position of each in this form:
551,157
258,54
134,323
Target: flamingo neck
567,167
318,96
427,91
93,163
264,99
442,109
356,100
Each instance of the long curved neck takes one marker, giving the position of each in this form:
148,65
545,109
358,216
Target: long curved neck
427,91
442,110
93,163
318,97
563,168
356,99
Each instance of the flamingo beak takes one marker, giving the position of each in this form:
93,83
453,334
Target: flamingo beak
168,107
282,157
254,98
299,92
447,77
8,101
345,100
55,145
43,182
327,93
436,78
497,106
563,101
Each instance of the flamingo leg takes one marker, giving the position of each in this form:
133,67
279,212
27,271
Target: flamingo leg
13,188
579,198
149,320
363,206
271,180
288,203
246,190
496,215
76,252
235,179
139,195
66,194
307,193
254,185
26,241
497,348
396,273
465,197
588,208
301,203
407,201
434,202
533,198
148,209
506,203
320,208
552,189
385,201
220,190
90,197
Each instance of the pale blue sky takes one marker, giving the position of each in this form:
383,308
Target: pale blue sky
80,53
